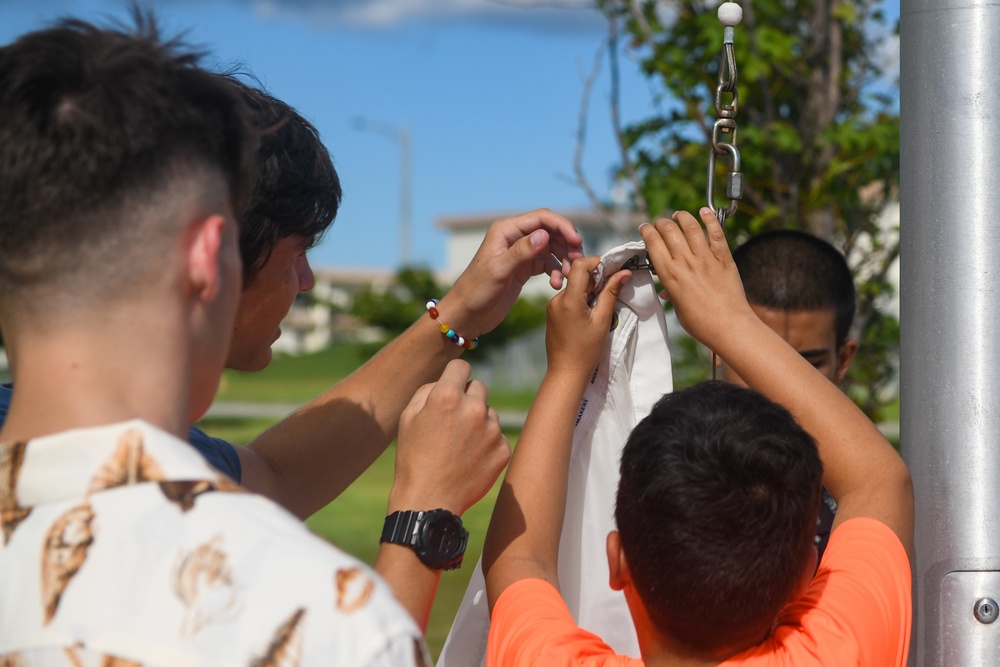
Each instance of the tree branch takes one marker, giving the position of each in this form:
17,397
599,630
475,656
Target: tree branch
581,133
627,164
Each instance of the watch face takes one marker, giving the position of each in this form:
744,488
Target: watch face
443,539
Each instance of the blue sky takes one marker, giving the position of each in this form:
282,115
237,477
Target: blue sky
491,100
490,91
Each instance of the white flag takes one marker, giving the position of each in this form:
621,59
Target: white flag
633,374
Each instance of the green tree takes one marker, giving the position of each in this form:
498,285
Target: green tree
818,133
404,302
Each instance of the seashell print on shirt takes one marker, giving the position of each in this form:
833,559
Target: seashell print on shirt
204,583
65,550
285,649
128,464
354,589
183,494
106,660
11,512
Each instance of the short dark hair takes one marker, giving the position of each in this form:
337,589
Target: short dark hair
792,270
297,190
99,128
717,506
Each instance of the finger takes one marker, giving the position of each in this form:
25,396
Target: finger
525,251
419,399
581,275
694,233
551,264
716,236
675,237
550,221
605,305
492,415
656,248
455,374
478,390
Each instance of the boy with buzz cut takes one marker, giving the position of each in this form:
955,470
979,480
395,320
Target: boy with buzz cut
717,503
801,287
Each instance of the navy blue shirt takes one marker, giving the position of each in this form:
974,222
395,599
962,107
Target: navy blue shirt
220,454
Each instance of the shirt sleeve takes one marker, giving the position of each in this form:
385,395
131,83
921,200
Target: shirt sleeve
858,607
220,454
531,625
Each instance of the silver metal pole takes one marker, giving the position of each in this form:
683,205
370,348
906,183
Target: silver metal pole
950,341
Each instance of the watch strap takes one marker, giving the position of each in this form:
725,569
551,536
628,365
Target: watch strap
401,527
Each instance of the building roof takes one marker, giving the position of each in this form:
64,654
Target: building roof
583,218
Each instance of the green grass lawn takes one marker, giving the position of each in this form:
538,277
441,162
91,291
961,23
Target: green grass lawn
292,379
300,379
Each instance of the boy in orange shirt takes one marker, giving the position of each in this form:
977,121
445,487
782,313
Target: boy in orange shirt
719,492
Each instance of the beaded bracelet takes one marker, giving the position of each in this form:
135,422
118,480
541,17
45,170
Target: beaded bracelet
450,333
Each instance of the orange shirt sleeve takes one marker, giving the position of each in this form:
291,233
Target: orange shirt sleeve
856,611
531,625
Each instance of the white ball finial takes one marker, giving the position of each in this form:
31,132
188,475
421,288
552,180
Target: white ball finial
730,13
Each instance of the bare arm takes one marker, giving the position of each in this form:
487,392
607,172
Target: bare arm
450,453
309,458
523,538
861,469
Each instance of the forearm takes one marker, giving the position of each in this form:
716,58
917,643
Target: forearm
309,458
524,533
861,469
414,583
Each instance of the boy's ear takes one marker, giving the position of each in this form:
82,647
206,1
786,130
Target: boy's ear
203,256
845,355
619,575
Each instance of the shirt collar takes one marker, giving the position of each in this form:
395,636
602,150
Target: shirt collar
82,461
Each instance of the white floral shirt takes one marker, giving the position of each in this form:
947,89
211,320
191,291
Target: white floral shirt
121,546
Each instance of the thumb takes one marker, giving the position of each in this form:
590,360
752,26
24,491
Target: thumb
606,299
525,250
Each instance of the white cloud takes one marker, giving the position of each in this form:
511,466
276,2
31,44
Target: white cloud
569,15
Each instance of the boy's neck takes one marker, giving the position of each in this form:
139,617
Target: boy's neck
89,375
660,650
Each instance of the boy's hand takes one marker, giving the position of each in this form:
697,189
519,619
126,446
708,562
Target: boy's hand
698,275
514,250
575,332
450,449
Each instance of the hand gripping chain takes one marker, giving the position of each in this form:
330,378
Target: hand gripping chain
724,131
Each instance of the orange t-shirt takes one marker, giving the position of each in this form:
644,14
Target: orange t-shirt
856,611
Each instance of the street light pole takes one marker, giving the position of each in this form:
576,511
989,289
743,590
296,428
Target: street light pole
401,137
405,196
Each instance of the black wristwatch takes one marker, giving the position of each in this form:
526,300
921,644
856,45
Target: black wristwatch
436,536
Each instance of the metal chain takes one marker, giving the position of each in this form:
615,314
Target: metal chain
724,132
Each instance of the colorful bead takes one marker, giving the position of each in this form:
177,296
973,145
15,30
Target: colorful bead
450,333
